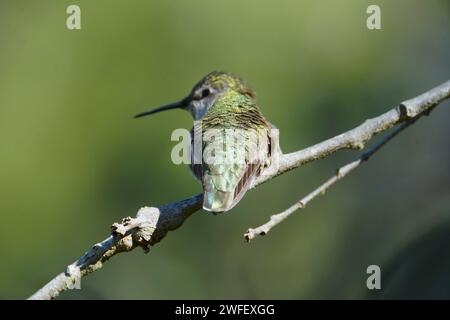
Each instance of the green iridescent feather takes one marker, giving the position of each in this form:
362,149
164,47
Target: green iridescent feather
234,131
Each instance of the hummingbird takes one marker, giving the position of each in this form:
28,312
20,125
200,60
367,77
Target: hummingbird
223,103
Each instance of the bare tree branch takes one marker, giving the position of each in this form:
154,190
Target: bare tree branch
152,224
357,138
340,173
148,227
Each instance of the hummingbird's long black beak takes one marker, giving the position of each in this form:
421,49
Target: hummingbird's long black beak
176,105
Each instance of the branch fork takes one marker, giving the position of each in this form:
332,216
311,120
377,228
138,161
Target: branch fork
151,224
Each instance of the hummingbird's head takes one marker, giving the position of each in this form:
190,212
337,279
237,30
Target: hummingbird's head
205,93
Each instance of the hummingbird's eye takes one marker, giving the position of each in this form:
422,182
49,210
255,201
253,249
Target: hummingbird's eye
205,93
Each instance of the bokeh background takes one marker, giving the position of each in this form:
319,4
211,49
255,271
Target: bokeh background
72,160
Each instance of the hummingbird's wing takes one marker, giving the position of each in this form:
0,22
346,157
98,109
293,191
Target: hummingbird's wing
196,152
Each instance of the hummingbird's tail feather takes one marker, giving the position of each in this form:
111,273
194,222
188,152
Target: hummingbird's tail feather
222,192
218,201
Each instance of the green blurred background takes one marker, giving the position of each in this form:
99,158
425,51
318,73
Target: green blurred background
72,160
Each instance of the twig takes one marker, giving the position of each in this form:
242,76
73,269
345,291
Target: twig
152,224
357,138
340,173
